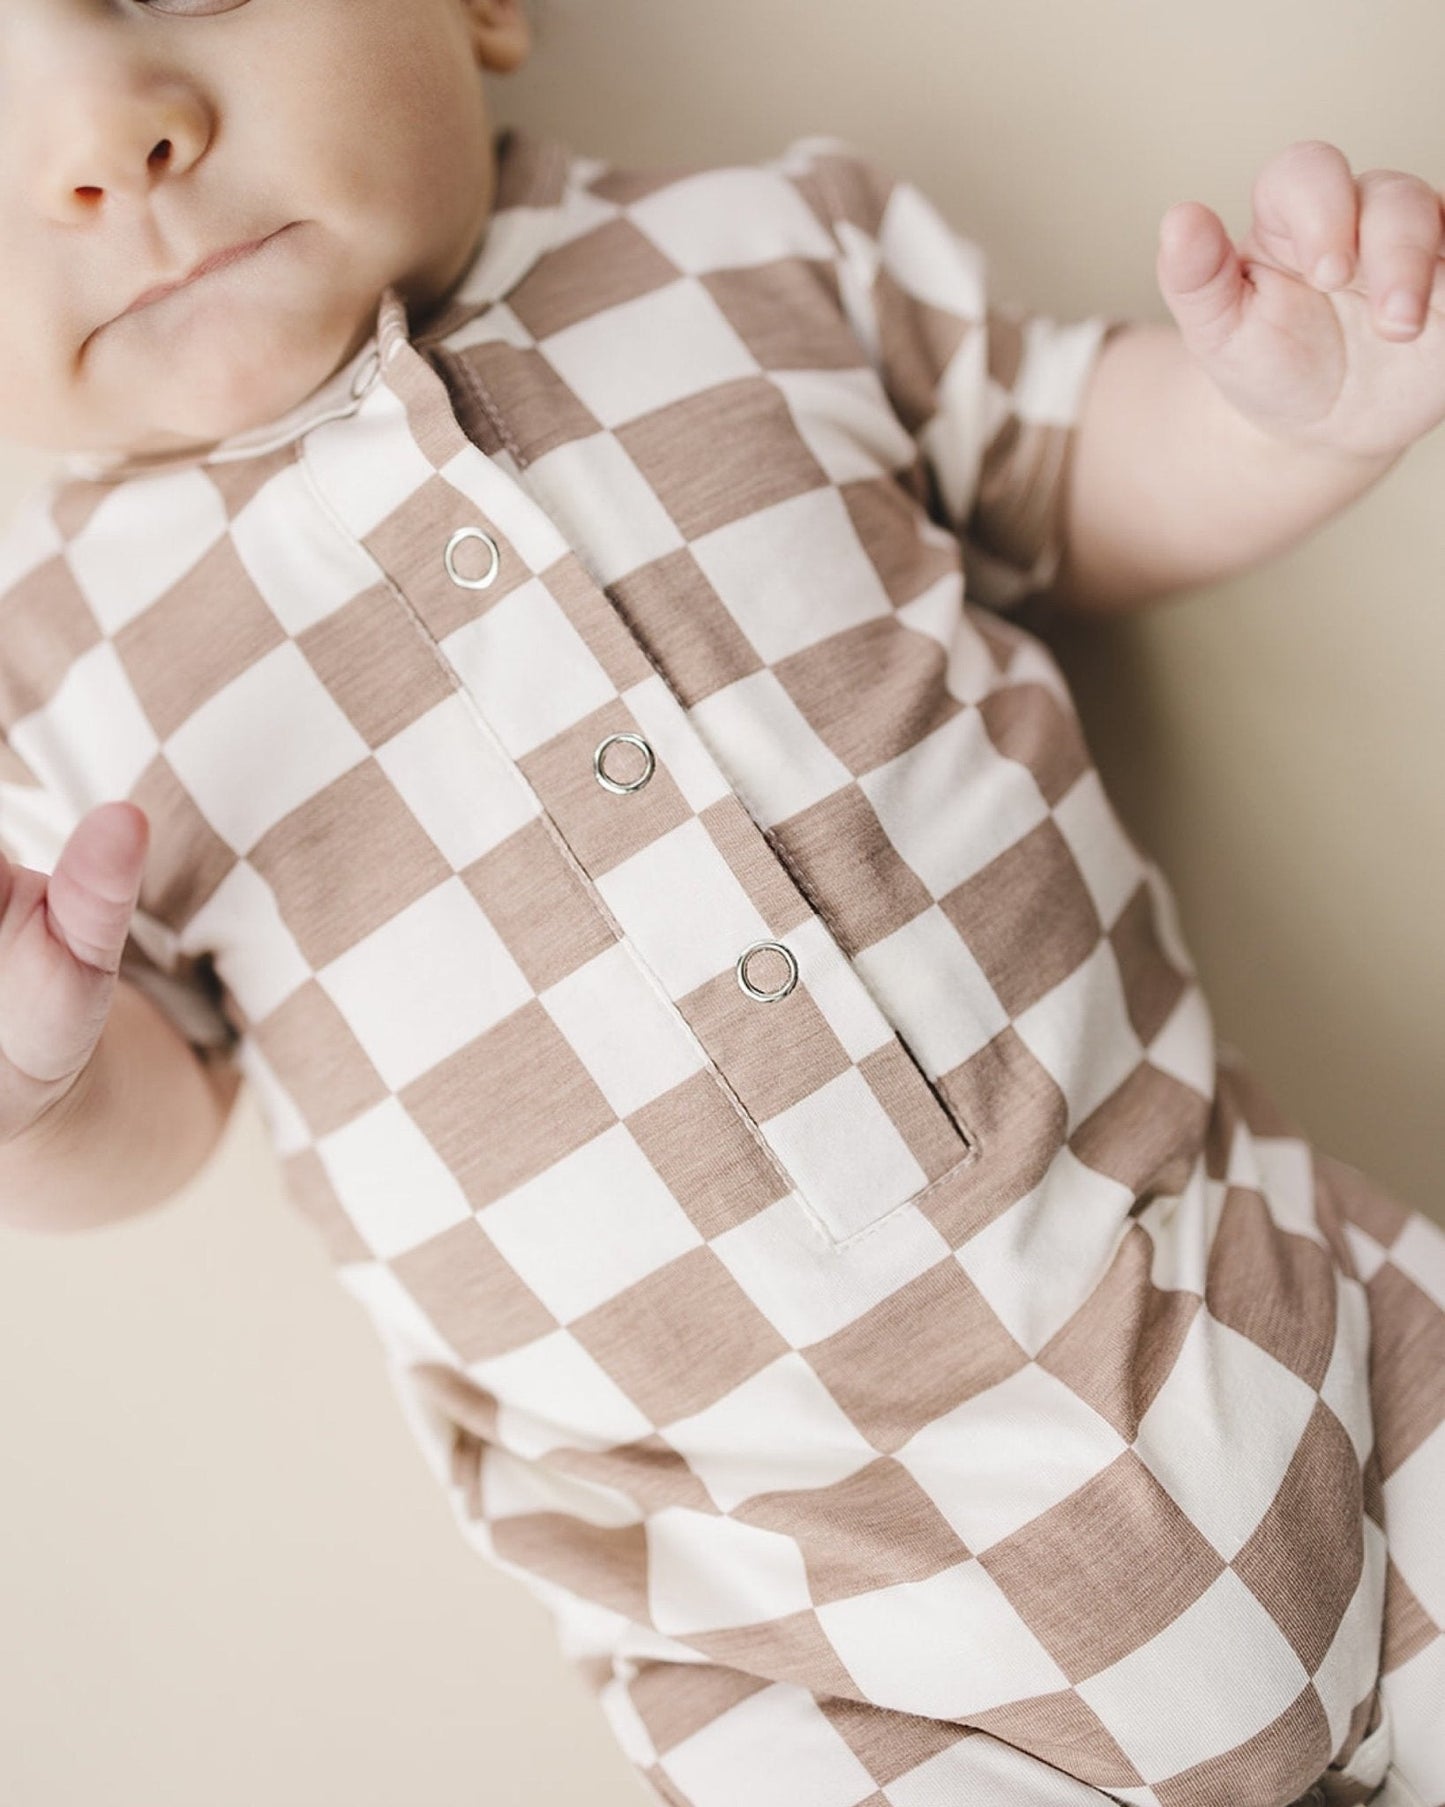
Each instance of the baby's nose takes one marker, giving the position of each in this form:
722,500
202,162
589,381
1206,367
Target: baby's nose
102,136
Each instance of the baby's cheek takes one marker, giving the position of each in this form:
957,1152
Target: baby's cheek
37,403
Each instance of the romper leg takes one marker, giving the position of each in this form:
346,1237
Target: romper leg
714,1738
1400,1255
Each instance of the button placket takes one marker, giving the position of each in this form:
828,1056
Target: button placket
778,991
862,1132
465,536
368,374
620,787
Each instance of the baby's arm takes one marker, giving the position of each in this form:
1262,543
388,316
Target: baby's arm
1285,389
142,1121
1170,487
105,1109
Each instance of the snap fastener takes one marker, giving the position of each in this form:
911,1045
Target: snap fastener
459,538
614,784
365,379
767,997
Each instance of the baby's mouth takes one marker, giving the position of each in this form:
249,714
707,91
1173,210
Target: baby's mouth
217,261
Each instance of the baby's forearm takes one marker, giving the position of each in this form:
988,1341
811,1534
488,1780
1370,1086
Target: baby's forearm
142,1122
1173,489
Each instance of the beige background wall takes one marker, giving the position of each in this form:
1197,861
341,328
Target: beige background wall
225,1575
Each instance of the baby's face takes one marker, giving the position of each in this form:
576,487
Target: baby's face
138,138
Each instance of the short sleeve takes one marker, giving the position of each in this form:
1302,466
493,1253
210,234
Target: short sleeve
36,820
991,394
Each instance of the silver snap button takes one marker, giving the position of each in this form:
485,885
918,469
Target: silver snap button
632,784
459,538
767,997
366,376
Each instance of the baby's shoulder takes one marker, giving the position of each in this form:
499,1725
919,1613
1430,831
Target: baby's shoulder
802,199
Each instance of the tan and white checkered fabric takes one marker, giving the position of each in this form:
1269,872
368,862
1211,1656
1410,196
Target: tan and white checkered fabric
943,1382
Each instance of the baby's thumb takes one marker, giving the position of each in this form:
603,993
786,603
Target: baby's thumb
96,882
1200,276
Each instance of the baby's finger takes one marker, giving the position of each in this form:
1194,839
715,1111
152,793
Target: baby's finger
1400,234
96,883
1306,209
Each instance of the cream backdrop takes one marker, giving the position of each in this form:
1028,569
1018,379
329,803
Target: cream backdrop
225,1575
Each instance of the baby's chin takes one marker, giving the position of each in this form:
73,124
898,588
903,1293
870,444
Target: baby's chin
202,421
200,395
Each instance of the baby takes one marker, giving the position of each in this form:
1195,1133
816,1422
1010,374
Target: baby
522,662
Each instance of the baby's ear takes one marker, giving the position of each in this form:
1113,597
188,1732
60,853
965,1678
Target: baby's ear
501,33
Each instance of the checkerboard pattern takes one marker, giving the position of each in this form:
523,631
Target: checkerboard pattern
951,1379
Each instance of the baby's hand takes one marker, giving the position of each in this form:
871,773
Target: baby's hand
1307,353
61,939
